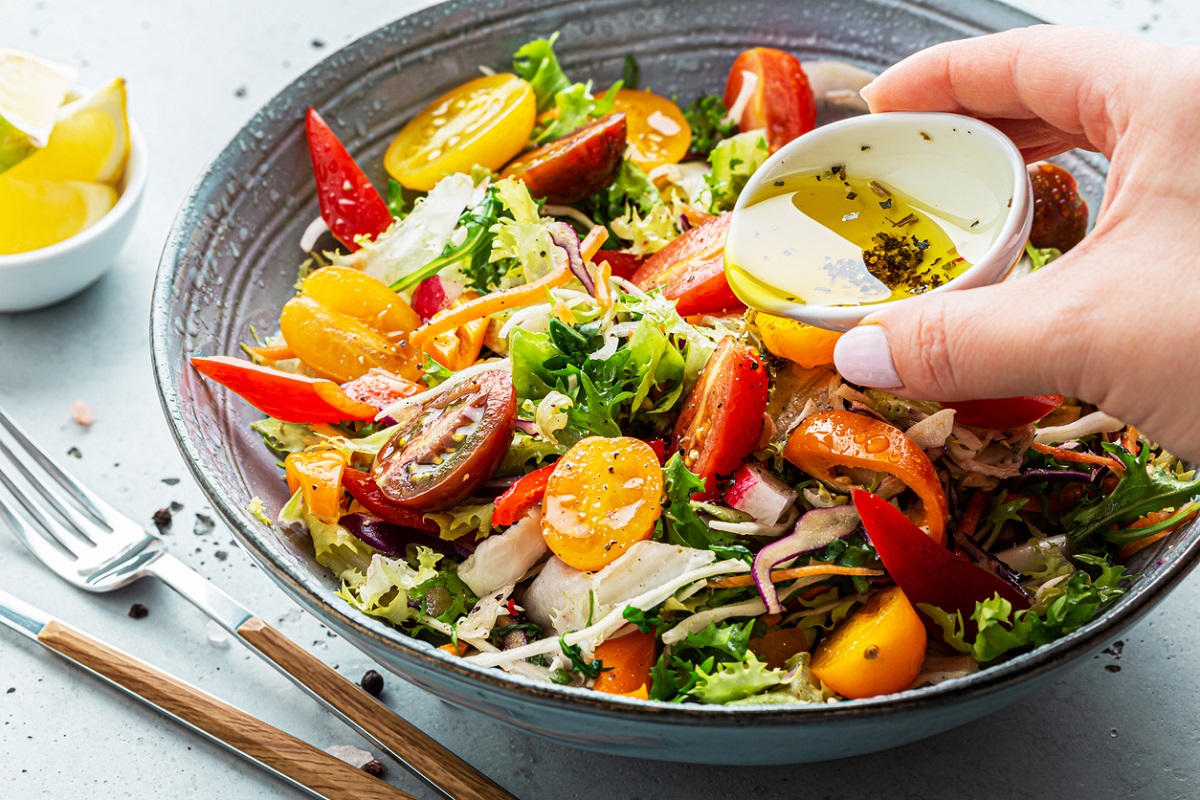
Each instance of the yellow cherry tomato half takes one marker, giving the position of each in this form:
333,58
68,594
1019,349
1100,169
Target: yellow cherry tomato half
319,475
807,345
657,131
603,497
878,650
338,346
361,296
486,121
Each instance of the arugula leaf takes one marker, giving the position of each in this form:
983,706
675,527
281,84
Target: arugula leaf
537,64
681,524
706,115
1000,630
579,664
853,551
632,77
645,620
396,202
733,161
1144,487
472,255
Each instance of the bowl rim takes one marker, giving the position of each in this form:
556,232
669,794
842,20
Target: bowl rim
304,589
996,262
133,184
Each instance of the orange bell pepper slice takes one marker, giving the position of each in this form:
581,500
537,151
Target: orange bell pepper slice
285,396
318,474
830,439
459,348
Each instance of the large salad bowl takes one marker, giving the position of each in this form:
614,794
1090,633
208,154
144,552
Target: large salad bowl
230,263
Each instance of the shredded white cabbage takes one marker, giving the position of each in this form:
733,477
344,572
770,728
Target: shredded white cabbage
1096,422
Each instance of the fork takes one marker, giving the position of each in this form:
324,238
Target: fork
96,548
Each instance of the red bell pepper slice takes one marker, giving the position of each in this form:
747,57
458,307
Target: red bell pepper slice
362,487
523,495
284,395
349,203
624,265
925,570
1004,413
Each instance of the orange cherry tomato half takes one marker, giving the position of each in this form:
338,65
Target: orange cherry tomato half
723,415
781,102
878,650
691,271
319,475
657,131
459,348
449,446
603,496
486,121
627,662
359,295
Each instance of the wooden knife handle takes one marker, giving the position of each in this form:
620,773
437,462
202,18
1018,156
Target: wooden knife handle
249,736
404,741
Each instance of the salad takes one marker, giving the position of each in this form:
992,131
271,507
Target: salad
524,419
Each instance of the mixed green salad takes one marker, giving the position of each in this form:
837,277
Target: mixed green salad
524,419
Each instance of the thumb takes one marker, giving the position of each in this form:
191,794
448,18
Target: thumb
1013,338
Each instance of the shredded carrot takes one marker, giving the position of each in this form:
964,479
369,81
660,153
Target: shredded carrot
603,291
809,571
592,243
1130,439
1063,454
270,353
460,651
1154,518
771,619
970,519
491,304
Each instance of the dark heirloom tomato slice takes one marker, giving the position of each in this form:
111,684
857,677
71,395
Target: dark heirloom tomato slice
1060,215
451,445
691,271
723,415
575,166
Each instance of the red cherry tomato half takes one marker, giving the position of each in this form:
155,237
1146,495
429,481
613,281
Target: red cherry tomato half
449,446
782,101
723,415
691,271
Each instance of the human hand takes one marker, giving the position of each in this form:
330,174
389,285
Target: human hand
1114,321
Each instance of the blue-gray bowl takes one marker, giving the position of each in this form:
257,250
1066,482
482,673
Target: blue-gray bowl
230,264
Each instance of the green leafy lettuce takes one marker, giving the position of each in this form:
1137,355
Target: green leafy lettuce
680,523
1001,630
632,188
574,103
733,161
537,64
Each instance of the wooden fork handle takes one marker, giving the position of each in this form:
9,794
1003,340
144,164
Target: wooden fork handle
423,755
270,747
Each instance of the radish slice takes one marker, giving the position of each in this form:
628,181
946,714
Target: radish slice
760,494
435,294
815,530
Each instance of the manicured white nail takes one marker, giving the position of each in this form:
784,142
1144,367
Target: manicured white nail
864,356
865,92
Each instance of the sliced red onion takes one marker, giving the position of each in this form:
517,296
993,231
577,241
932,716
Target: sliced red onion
435,294
565,237
1054,476
971,549
759,493
685,224
527,426
815,530
859,408
393,540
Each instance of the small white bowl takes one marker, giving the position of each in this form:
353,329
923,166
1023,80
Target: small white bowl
41,277
958,165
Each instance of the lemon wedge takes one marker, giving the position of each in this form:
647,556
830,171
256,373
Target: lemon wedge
31,91
90,141
41,213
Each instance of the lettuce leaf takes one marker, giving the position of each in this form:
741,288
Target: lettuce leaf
521,237
463,519
680,524
384,590
733,681
631,189
336,549
576,107
537,64
648,233
283,438
733,161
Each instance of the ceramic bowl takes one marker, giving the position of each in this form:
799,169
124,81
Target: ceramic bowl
51,274
962,168
230,263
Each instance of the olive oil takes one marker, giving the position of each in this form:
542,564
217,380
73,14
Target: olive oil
838,239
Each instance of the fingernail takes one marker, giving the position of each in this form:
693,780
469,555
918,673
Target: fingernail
865,92
864,356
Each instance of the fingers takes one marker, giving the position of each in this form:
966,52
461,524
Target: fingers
1075,80
1010,339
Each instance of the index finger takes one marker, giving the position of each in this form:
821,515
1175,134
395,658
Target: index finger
1044,79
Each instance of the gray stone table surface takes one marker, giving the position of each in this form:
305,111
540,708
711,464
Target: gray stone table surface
1123,725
